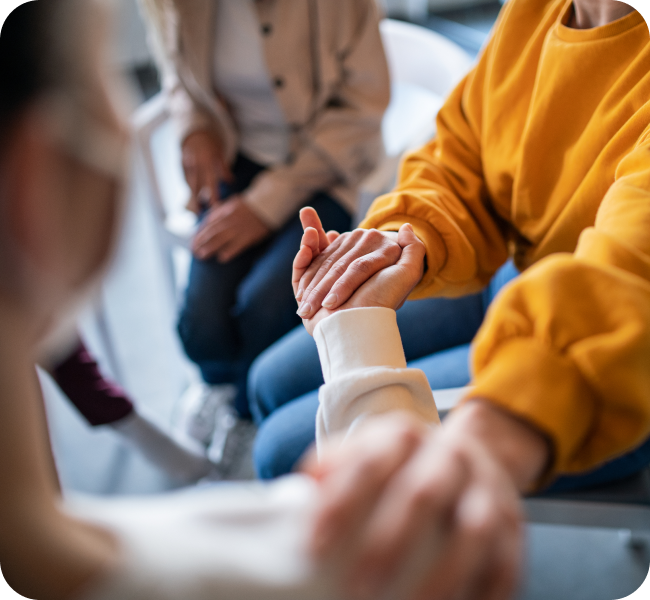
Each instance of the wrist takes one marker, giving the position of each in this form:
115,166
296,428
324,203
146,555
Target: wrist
521,450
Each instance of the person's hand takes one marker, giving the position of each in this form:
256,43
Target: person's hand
204,167
343,266
387,288
227,230
433,514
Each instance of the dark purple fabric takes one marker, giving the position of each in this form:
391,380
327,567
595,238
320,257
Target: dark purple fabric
98,400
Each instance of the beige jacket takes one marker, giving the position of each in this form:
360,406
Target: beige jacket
331,78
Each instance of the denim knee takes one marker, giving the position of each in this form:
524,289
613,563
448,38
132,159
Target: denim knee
260,377
283,438
287,370
200,341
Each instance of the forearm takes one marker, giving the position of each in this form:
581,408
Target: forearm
365,372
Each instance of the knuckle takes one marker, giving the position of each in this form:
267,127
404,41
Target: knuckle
362,266
338,268
374,235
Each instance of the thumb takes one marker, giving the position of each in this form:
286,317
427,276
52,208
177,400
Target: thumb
309,218
413,250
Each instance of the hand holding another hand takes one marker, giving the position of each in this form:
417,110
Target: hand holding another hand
342,264
416,513
383,277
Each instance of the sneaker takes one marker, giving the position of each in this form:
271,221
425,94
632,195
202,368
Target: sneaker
200,408
224,422
231,451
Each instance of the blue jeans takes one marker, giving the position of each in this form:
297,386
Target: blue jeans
436,333
234,311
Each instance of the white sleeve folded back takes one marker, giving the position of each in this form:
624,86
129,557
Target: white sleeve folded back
365,372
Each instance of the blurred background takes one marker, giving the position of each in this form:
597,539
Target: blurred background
131,328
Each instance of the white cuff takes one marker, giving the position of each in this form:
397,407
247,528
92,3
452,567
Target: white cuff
365,372
358,338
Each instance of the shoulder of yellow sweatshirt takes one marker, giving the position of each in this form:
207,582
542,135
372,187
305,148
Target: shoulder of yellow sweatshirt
543,154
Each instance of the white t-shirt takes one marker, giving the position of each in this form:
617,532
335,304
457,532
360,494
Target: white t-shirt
242,78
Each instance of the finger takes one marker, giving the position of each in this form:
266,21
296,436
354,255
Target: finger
413,250
356,474
467,553
230,250
356,245
308,248
192,178
322,264
214,222
425,492
205,197
332,235
503,577
223,169
215,240
341,287
309,218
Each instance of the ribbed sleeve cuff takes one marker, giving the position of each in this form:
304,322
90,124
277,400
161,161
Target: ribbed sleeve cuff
545,389
358,338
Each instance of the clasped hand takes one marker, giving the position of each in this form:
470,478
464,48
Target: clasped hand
353,270
229,227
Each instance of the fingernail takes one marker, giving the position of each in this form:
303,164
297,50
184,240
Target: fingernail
330,300
299,294
304,309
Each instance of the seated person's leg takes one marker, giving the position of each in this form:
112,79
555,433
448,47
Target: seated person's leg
206,328
265,307
284,437
289,431
285,371
615,470
436,324
447,368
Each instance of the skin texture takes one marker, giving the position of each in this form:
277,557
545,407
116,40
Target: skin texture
356,256
230,227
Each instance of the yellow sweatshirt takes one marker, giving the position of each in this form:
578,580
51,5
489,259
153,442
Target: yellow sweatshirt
543,154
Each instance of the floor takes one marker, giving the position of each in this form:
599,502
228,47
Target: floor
132,331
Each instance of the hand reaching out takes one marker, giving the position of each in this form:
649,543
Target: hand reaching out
386,287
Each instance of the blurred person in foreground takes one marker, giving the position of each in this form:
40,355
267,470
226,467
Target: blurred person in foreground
62,155
278,104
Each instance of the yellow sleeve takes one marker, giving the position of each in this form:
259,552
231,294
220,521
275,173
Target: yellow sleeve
567,345
443,194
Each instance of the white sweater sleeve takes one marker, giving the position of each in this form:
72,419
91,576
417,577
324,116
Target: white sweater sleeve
236,541
365,372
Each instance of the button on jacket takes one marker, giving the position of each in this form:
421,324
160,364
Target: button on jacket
329,71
